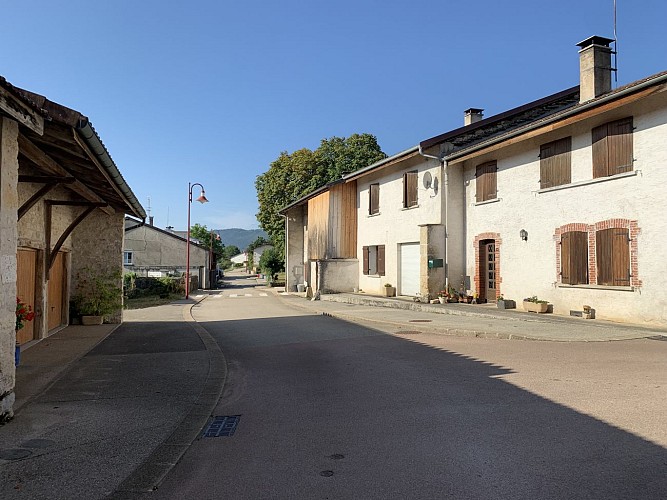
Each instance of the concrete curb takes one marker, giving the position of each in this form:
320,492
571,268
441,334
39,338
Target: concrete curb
146,479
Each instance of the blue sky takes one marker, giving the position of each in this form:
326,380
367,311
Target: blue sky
213,91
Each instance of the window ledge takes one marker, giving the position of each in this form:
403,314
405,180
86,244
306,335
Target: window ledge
410,208
599,287
589,181
486,202
373,215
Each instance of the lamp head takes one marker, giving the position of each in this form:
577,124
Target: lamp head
202,197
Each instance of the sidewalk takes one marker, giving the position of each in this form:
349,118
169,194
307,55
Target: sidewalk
109,410
483,320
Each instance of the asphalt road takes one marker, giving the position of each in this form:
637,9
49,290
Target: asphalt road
334,410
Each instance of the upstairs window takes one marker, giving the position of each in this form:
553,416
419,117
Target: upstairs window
374,199
612,148
613,257
373,261
410,189
486,181
128,258
574,258
555,163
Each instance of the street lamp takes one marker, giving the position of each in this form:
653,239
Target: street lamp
201,199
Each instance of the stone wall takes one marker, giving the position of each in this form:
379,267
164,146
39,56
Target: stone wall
295,272
338,275
8,239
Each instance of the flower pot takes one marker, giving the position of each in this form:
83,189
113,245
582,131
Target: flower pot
506,304
389,291
91,320
442,300
535,307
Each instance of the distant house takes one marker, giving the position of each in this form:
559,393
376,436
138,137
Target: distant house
257,254
241,258
151,251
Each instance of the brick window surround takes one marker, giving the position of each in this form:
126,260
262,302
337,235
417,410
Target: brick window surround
478,276
591,229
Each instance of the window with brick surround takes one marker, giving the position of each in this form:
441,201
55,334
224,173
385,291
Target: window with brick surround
373,261
410,189
374,199
555,163
613,256
612,148
486,181
574,258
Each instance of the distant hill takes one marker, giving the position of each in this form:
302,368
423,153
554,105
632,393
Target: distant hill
239,237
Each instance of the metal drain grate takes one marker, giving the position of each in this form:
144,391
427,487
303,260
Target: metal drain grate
222,426
408,332
420,321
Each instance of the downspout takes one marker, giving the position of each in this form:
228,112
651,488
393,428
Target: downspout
445,181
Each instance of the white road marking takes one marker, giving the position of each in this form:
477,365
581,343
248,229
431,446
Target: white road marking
263,294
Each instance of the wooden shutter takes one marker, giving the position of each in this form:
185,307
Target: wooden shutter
620,257
380,260
555,163
579,258
565,242
619,142
365,261
600,153
604,252
486,181
409,189
374,199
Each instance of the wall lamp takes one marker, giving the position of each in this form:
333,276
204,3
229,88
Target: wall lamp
524,235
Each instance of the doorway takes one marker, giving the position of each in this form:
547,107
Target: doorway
488,270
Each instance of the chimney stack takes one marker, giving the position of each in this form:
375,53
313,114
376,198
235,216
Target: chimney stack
472,115
594,67
150,220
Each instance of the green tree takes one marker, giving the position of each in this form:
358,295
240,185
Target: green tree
292,176
203,235
271,262
230,250
259,241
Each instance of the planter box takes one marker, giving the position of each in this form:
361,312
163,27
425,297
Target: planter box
506,304
91,320
535,307
389,291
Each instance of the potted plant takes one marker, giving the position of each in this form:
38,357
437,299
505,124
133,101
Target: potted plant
452,295
533,304
97,295
24,313
389,291
504,303
442,296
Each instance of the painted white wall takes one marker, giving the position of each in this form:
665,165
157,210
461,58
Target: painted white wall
529,267
394,224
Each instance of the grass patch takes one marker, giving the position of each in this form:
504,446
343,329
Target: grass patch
150,301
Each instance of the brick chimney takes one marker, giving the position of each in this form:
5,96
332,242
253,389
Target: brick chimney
472,115
594,67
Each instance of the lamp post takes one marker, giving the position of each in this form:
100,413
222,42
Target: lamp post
201,199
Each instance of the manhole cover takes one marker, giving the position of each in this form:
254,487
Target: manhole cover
14,454
326,473
420,321
407,332
222,426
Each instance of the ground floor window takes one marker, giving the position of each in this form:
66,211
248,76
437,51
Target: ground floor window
373,262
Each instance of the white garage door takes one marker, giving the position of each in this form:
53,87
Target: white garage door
409,269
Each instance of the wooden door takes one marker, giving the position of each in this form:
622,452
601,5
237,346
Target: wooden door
26,267
57,286
487,261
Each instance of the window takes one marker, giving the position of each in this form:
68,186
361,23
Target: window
374,260
128,257
612,148
555,166
574,258
374,199
486,181
410,189
613,257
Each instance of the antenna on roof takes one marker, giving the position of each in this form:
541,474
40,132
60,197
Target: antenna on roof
615,68
167,216
149,206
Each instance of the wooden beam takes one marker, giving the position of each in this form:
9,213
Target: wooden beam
564,122
35,198
21,112
28,149
46,179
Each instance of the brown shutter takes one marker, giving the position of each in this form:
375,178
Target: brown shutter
620,257
579,258
374,199
547,168
365,261
604,252
486,181
480,174
600,152
562,161
619,140
411,189
565,241
380,262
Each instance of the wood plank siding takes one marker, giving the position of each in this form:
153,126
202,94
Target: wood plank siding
332,223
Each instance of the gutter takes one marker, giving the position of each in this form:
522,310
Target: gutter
92,140
560,116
